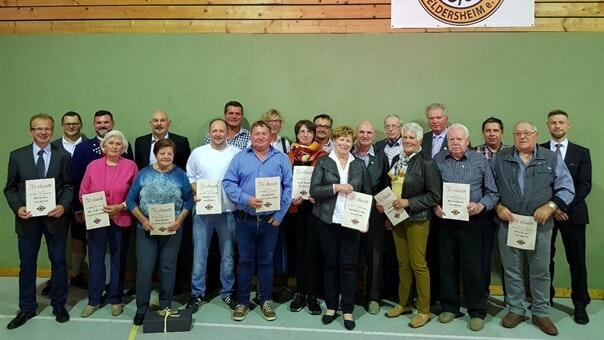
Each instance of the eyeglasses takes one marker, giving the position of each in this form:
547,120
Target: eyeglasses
321,126
41,129
71,124
274,121
524,133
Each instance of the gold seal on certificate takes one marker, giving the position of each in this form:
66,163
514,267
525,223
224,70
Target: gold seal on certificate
522,232
301,181
386,197
209,194
268,189
40,196
94,215
456,197
357,211
161,216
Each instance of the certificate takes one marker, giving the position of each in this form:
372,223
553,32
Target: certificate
456,197
40,196
94,215
269,190
209,194
386,197
161,216
356,211
301,181
522,232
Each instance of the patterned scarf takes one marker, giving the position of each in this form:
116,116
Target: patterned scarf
400,167
304,153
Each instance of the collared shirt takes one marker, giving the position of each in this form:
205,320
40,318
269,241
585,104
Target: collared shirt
437,141
278,144
391,149
563,147
153,140
327,147
341,199
239,181
474,169
486,151
241,139
70,147
365,158
45,155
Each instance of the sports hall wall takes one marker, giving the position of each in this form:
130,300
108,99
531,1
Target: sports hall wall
351,76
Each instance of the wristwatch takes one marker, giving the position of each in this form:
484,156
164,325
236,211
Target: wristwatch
552,205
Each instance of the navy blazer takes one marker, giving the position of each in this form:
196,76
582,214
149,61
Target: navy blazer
142,148
427,144
578,162
22,167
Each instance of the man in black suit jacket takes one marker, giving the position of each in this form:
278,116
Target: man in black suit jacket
35,161
572,224
435,140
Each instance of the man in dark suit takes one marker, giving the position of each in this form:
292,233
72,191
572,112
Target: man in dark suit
143,156
36,161
435,140
572,224
392,144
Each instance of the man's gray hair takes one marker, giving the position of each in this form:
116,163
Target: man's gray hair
392,116
526,122
461,127
115,134
436,106
413,127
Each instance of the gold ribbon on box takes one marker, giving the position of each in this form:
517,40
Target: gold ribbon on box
168,313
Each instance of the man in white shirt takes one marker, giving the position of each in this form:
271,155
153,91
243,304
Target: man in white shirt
391,145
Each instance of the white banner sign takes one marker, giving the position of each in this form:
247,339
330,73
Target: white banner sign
462,13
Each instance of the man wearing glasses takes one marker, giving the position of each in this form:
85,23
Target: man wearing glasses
323,124
391,145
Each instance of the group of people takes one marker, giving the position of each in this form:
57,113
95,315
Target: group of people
546,181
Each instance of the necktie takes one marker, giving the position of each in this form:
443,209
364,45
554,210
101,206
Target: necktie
435,146
558,151
40,165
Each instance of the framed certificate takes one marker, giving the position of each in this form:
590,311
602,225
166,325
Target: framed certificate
357,211
269,190
40,196
301,181
522,232
456,197
94,215
209,194
386,197
161,216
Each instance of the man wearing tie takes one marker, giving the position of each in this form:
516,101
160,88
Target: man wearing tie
571,224
37,161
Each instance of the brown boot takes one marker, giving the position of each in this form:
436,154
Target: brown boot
512,320
545,324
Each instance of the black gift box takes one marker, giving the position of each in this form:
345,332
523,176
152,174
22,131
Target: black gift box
177,321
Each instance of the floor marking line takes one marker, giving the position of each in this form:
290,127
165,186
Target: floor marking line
133,332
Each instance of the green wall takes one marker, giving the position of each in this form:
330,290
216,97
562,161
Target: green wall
512,75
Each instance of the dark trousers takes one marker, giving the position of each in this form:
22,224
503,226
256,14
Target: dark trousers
372,244
340,245
118,238
461,242
432,259
184,262
149,250
573,237
303,228
29,246
488,237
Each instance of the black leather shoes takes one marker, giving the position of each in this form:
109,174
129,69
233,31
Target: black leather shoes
138,319
580,316
61,314
20,319
327,319
349,324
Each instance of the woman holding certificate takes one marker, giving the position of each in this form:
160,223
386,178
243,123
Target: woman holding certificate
301,225
415,179
160,199
334,178
112,175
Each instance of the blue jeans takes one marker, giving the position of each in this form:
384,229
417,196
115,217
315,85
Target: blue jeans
203,229
118,239
255,237
150,248
29,246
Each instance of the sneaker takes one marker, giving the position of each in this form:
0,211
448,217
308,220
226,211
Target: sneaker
240,312
476,324
268,311
229,301
446,317
194,303
88,310
298,302
117,309
313,305
373,307
79,281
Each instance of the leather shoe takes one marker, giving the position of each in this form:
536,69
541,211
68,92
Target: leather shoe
61,314
512,320
327,319
580,316
20,319
349,324
545,324
138,319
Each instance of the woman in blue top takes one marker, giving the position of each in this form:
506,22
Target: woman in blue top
159,183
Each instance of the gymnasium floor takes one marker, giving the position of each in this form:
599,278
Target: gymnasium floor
213,321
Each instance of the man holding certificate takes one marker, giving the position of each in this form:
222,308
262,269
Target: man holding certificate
469,191
259,181
533,181
27,183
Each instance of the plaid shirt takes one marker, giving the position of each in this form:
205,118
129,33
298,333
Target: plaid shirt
241,140
484,149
